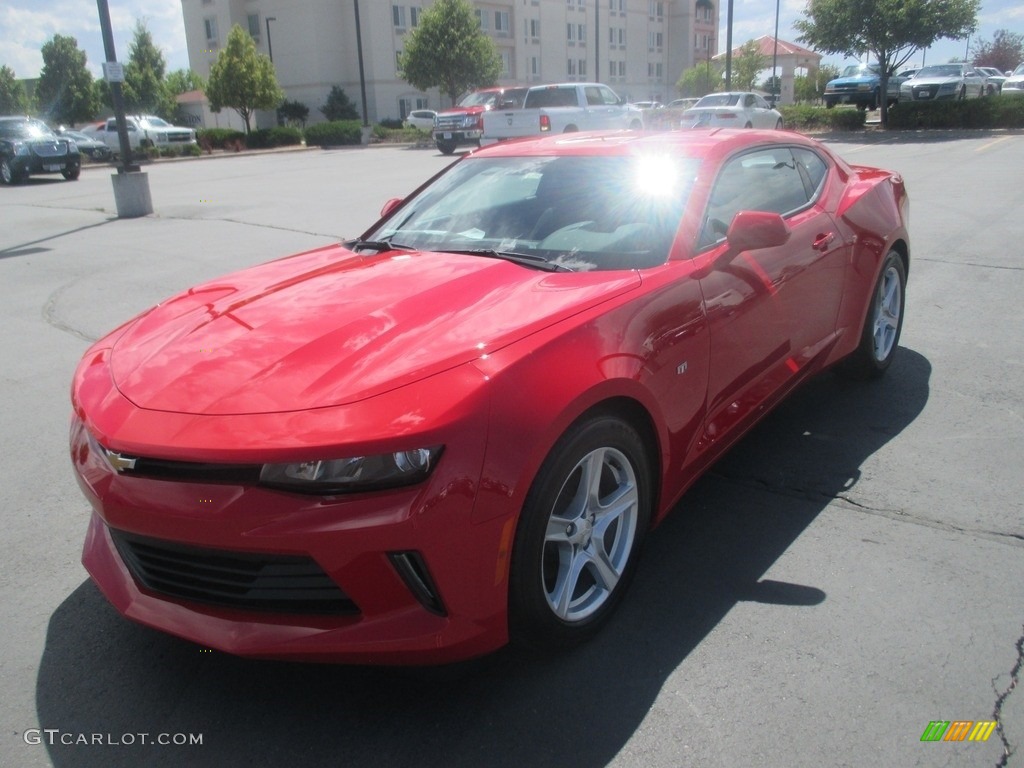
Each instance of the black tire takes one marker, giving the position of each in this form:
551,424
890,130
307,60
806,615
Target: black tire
8,175
749,125
880,335
570,129
72,174
636,125
778,124
829,104
446,147
963,93
559,590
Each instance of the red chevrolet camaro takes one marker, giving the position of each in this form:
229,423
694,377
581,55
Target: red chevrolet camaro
457,429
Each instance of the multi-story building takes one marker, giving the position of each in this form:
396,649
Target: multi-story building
638,47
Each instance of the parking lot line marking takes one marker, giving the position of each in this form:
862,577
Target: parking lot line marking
983,147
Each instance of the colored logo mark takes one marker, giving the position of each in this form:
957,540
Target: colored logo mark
958,730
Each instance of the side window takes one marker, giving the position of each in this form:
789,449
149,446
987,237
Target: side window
593,96
748,100
814,170
609,96
764,180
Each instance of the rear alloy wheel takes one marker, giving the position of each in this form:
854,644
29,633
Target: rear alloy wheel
882,326
71,174
579,534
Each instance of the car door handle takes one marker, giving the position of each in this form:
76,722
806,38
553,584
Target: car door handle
822,242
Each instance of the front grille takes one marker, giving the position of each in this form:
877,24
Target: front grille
454,123
49,149
925,91
196,472
243,580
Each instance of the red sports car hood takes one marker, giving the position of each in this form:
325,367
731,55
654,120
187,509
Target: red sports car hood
330,327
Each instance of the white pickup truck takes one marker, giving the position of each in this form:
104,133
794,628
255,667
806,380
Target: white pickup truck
144,131
562,108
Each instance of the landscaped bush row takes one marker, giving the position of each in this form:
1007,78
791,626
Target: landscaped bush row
280,136
804,117
218,138
988,112
334,133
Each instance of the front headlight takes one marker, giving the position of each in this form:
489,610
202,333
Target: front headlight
354,474
948,87
21,149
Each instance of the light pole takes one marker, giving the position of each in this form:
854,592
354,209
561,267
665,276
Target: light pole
728,48
775,57
270,48
362,74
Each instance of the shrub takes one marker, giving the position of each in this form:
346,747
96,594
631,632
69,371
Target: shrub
339,106
988,112
847,119
193,149
335,133
279,136
218,138
391,122
168,152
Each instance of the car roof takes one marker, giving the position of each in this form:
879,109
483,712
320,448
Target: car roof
713,144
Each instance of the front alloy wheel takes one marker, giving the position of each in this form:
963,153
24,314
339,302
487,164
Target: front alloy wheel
7,172
579,534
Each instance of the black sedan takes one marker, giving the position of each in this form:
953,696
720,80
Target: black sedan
28,146
92,148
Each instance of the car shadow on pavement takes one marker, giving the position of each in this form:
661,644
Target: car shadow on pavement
101,674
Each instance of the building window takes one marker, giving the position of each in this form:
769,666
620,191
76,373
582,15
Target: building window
254,25
501,25
571,67
654,40
506,63
414,15
398,16
534,67
210,25
484,19
582,68
570,33
622,69
534,30
655,9
581,33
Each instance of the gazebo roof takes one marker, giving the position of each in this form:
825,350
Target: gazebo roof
766,47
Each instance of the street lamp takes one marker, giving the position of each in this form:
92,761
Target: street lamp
270,48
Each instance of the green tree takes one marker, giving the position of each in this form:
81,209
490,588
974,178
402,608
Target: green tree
1005,51
64,92
145,91
700,80
748,65
184,80
811,87
448,50
242,78
339,106
13,100
293,113
891,30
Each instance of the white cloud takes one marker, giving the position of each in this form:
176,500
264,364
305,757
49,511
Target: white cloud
26,24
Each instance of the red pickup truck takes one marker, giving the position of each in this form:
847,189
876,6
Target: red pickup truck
464,123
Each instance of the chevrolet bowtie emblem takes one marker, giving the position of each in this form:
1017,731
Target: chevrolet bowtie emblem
119,461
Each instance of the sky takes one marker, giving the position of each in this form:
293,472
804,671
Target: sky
26,24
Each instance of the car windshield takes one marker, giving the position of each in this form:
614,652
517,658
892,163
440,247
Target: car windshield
577,213
155,122
860,69
719,100
479,99
1019,70
941,70
25,129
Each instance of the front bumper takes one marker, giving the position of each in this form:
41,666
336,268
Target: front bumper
459,136
357,600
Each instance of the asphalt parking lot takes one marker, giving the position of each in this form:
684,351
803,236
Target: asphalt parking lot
850,572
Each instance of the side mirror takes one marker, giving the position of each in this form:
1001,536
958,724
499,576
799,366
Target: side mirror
389,206
752,230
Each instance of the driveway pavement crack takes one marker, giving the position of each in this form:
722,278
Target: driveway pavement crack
50,315
1001,697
